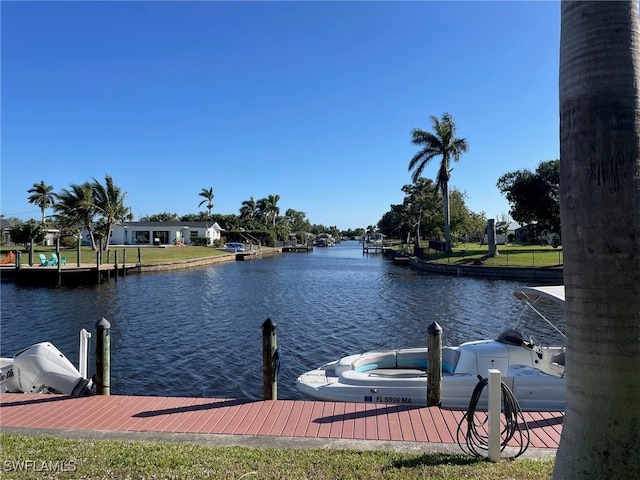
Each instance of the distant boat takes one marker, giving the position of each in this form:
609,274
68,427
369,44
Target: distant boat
324,240
534,373
234,247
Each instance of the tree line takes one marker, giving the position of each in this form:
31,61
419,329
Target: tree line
96,206
430,210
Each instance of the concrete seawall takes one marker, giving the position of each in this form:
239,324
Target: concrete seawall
182,264
525,274
202,262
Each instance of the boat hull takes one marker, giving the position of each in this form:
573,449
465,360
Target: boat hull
534,373
400,377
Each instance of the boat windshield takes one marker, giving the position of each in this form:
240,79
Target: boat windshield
543,313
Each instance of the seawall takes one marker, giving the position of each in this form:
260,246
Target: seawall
525,274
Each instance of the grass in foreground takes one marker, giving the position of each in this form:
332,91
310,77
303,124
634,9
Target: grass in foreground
23,457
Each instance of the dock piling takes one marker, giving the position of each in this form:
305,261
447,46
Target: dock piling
103,357
270,360
434,365
98,267
58,263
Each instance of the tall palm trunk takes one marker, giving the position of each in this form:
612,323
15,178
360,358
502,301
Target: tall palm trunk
447,217
600,213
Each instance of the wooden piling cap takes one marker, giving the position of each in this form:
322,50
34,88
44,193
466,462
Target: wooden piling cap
103,324
434,329
268,323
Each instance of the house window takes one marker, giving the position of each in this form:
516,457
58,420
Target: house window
193,234
162,235
142,237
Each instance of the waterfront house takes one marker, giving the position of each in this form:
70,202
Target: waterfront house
5,233
161,233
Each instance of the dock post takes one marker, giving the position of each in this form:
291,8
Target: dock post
124,262
115,257
18,259
494,413
78,250
103,357
434,365
270,360
98,266
59,264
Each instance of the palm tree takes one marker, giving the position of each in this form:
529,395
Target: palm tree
600,216
42,195
108,200
442,143
208,199
76,209
268,207
249,208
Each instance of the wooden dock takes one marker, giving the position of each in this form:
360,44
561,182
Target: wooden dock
275,419
375,249
66,275
402,260
297,248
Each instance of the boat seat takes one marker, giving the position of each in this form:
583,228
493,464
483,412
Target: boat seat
412,359
559,358
450,357
372,362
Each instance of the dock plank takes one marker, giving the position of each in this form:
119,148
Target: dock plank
269,418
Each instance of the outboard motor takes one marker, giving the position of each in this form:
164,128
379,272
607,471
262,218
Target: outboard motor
42,368
6,376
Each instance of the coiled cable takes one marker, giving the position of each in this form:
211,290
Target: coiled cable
475,440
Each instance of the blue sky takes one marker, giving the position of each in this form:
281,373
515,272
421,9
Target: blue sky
313,101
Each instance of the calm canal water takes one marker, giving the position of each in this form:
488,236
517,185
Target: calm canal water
198,332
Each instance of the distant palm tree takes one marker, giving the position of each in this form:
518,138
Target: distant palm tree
208,199
268,207
75,208
442,143
42,195
108,200
249,209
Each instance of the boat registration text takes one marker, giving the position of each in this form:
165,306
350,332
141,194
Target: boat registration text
399,400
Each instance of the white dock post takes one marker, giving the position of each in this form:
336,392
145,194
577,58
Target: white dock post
83,361
495,411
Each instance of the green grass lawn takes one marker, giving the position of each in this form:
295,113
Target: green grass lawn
513,255
147,254
107,459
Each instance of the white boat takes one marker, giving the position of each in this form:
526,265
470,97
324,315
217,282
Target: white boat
534,373
42,368
234,247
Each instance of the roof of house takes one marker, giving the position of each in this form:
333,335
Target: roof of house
214,225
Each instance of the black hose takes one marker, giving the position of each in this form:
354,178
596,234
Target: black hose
476,440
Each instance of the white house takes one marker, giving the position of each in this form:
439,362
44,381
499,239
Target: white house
161,233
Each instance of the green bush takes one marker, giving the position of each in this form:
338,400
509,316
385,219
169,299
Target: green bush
199,241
